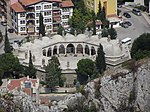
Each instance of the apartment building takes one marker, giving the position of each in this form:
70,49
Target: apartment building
5,10
110,6
25,15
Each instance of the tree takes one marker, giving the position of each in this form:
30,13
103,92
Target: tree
112,32
41,25
85,70
99,11
9,66
77,21
61,30
104,32
94,23
81,16
92,107
53,73
105,23
7,47
1,37
140,47
100,60
103,14
30,70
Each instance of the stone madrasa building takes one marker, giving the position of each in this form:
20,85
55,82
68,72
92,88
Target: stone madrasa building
70,49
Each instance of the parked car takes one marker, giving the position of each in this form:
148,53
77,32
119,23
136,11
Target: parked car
128,23
124,25
4,23
10,30
136,12
119,5
127,15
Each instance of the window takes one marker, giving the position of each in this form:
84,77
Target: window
47,13
65,16
38,7
37,28
37,21
47,6
22,28
47,20
48,27
22,21
37,14
22,14
65,9
65,23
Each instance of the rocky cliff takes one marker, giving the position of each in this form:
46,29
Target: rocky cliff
18,101
128,90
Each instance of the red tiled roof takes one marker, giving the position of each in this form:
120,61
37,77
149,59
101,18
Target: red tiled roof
67,3
28,91
17,7
29,2
16,83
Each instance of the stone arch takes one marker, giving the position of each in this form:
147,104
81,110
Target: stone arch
87,50
44,52
70,48
49,52
61,49
93,51
55,50
79,48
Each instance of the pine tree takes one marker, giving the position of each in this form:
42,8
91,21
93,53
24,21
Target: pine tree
100,60
53,73
94,23
7,47
30,70
41,25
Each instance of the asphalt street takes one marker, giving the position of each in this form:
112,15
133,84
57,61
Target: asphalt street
139,26
12,37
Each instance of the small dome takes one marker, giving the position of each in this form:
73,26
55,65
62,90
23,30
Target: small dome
70,37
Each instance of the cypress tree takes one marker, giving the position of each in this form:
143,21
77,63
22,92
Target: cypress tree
94,23
103,14
41,25
30,70
7,47
99,11
100,60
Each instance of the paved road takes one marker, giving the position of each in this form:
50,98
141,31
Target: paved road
139,26
12,37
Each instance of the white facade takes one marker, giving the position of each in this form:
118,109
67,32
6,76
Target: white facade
53,17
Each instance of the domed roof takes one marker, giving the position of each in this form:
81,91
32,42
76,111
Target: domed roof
57,37
70,38
81,37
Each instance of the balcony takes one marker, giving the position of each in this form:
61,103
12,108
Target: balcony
56,20
56,13
30,16
56,6
30,23
30,10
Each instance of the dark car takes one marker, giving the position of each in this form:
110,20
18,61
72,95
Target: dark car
124,25
10,30
127,15
119,5
136,12
4,23
128,23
